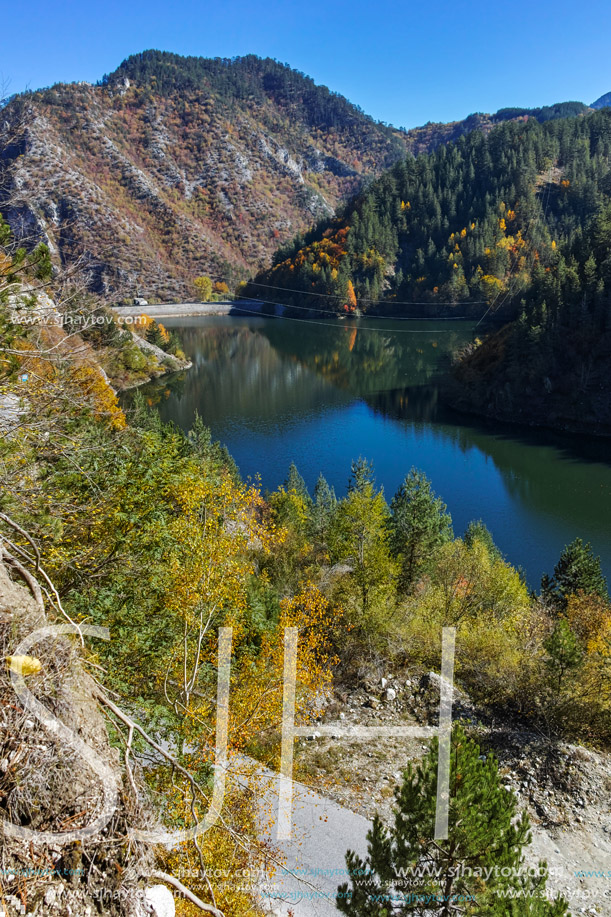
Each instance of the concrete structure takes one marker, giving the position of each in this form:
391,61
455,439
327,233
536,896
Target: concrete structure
182,309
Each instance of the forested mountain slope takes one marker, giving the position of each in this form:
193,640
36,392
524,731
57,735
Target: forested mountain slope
471,225
552,366
174,167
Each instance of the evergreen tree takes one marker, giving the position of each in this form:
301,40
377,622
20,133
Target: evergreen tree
577,570
563,652
142,416
479,531
419,524
296,484
361,475
476,871
200,437
154,335
325,503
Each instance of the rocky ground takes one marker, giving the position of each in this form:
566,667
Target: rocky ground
566,789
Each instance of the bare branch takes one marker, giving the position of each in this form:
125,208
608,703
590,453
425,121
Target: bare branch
165,877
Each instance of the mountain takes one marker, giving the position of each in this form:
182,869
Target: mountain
463,228
603,102
172,167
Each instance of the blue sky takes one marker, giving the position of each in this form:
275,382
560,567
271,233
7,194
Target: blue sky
405,63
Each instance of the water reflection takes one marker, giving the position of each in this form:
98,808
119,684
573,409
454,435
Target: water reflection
324,393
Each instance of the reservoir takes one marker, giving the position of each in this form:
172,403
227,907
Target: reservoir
277,390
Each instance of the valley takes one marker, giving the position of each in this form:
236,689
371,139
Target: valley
288,404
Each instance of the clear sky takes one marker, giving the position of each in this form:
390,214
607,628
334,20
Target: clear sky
402,62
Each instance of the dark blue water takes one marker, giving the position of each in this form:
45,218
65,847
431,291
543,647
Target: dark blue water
322,394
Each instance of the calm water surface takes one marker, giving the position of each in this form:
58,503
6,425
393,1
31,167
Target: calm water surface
321,394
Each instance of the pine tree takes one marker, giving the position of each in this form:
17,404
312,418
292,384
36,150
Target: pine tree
155,336
419,524
577,570
296,484
563,652
476,871
325,503
479,531
200,437
361,474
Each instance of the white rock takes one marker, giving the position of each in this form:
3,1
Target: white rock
161,900
384,682
391,694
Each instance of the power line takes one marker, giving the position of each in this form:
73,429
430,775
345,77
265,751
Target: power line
392,318
269,286
310,321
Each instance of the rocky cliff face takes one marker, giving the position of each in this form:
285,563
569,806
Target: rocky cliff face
175,167
152,185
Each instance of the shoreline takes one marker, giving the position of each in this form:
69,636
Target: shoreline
256,306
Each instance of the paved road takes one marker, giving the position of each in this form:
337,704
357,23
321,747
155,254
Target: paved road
314,857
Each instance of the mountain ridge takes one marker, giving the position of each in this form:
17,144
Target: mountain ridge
603,102
172,167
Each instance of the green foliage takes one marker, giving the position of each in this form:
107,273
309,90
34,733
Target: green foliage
325,503
577,570
133,358
248,77
199,438
475,871
295,484
546,113
484,598
551,366
419,524
563,652
361,475
357,536
478,531
155,336
487,220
